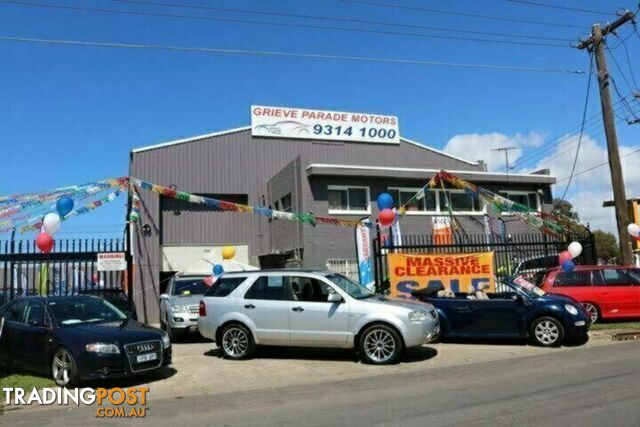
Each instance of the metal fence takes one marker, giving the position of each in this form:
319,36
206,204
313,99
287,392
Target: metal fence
525,254
69,269
346,267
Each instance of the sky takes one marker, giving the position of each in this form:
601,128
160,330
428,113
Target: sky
71,114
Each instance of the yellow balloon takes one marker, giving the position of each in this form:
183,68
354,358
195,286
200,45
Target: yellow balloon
228,252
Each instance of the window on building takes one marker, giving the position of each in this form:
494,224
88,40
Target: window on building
460,201
285,202
531,199
348,199
435,201
276,205
402,196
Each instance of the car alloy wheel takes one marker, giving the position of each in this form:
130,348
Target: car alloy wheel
236,342
63,368
379,345
547,332
592,310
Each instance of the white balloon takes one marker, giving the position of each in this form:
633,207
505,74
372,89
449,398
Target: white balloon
51,223
575,249
633,229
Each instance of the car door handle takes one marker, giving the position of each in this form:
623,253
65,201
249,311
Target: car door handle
297,309
250,306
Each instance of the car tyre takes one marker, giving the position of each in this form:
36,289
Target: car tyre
236,342
547,332
593,311
64,369
380,345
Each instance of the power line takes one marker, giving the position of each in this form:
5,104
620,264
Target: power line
584,116
466,15
597,166
555,6
626,51
286,54
276,24
340,19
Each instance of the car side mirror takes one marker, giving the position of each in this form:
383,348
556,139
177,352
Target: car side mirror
164,297
334,297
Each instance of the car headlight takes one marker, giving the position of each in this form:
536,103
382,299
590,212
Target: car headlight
104,348
571,309
179,309
166,342
418,315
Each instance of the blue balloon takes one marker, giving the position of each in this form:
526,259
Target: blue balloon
64,205
218,270
568,266
385,201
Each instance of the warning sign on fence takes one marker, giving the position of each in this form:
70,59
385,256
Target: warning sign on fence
112,261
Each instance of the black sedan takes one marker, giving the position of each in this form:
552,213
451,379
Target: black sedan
521,311
78,338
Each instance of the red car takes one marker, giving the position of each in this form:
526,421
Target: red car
607,291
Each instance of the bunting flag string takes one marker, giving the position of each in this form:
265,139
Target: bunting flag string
224,206
546,223
26,211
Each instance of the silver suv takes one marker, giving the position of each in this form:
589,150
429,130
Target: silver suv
179,305
311,309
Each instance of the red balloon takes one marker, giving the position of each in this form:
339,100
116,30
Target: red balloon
386,217
208,280
636,238
44,242
564,256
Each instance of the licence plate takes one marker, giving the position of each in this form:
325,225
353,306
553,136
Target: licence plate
146,357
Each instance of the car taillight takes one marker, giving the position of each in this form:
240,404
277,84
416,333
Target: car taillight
203,309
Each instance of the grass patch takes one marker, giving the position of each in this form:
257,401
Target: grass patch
22,380
615,325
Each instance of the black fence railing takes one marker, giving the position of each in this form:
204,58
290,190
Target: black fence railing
69,269
518,254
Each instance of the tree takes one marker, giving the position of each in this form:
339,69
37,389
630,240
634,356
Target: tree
562,207
607,246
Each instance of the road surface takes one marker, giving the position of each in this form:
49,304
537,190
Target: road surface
587,386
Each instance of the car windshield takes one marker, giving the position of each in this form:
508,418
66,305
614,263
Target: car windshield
189,286
79,310
525,286
354,289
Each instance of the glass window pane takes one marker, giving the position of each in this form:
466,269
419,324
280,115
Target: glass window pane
285,202
415,205
461,202
617,277
358,199
268,287
533,201
395,194
311,290
338,199
577,278
224,286
430,200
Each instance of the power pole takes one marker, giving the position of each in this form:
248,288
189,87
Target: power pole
595,44
506,157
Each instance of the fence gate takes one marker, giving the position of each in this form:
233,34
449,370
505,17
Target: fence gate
520,253
69,269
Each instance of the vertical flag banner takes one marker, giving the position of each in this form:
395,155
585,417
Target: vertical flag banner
458,272
44,278
363,250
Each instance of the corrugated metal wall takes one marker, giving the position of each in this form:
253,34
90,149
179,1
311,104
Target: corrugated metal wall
236,163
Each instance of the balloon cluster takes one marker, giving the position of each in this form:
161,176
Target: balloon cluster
51,224
385,205
634,230
228,252
565,258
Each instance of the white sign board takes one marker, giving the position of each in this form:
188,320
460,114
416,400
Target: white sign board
300,123
113,261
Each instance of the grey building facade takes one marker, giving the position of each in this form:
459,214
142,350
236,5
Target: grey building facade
334,178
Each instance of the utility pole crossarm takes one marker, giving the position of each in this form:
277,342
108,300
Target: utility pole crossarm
626,17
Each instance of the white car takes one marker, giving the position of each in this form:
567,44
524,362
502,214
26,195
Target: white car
311,309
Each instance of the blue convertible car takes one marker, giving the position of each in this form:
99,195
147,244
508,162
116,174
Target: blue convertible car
521,311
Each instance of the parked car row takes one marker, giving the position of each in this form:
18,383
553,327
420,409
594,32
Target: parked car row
84,337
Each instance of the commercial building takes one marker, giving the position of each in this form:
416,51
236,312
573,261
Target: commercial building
300,161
